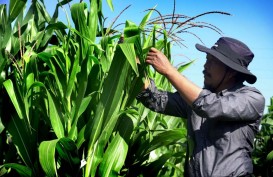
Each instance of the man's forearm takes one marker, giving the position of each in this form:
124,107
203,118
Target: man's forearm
188,90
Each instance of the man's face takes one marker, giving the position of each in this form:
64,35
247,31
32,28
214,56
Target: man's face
214,71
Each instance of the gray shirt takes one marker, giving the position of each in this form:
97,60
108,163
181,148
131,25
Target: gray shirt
222,127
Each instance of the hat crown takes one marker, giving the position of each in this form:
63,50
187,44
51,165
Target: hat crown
235,50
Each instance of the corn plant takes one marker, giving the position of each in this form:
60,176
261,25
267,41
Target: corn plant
71,90
22,35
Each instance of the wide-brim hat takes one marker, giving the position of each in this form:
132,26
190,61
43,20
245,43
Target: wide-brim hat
234,54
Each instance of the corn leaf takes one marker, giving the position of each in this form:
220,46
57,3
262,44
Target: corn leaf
22,170
15,8
112,90
114,157
55,117
47,157
110,4
63,2
182,68
93,19
110,98
100,145
16,101
80,137
166,138
68,155
146,19
22,138
83,75
72,75
154,167
80,21
269,157
129,52
98,151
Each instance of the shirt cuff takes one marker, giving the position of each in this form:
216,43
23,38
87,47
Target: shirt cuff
147,91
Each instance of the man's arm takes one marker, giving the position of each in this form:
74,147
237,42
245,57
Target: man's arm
188,90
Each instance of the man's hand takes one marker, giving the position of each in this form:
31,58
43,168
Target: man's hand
188,90
159,62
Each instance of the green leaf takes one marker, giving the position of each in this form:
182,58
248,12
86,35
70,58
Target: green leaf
72,75
167,138
183,67
82,79
110,4
154,167
98,152
80,137
269,157
15,8
21,169
129,52
114,157
63,2
30,80
47,157
107,107
93,19
146,19
22,138
55,117
68,156
56,26
2,128
90,43
131,31
86,27
16,103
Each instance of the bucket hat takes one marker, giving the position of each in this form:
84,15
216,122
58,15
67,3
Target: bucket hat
234,54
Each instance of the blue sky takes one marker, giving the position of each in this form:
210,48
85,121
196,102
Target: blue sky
251,22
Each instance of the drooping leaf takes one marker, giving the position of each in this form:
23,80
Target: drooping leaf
57,26
47,157
154,167
129,52
68,157
114,157
166,138
22,170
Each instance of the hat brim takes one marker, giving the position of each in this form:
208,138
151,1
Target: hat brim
249,77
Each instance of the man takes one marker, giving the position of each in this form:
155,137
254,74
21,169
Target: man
223,117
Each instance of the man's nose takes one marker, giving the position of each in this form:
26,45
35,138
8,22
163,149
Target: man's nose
206,65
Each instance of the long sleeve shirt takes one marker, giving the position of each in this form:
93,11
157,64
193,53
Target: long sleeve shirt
221,125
